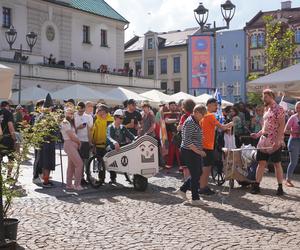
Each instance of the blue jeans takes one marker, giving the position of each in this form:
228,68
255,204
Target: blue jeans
194,163
294,152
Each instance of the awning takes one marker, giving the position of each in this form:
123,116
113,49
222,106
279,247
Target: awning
30,94
286,81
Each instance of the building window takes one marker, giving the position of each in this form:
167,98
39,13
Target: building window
257,63
260,40
176,87
150,43
176,62
297,36
163,66
236,62
223,90
150,67
6,17
222,62
164,87
252,63
260,63
138,68
298,57
237,89
104,38
254,41
86,34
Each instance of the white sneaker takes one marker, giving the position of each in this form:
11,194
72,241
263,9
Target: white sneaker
200,202
181,194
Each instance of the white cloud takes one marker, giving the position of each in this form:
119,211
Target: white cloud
165,15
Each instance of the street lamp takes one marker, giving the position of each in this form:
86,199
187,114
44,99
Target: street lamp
228,11
31,38
201,15
11,36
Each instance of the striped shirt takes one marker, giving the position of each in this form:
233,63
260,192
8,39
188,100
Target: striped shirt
191,133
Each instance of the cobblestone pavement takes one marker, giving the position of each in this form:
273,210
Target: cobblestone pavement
120,218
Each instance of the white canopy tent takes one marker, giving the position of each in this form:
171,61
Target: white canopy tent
205,97
6,79
30,94
286,81
157,96
78,92
120,95
182,96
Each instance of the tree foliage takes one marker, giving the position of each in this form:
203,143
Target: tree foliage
254,98
280,46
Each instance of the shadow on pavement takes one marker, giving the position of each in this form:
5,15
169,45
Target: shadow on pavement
237,200
18,247
154,194
237,219
172,172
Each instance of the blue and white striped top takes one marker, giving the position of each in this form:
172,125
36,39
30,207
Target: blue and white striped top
191,133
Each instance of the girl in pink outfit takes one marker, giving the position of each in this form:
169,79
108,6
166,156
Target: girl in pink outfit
71,147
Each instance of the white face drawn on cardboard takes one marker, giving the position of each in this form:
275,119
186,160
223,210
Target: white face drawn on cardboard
147,152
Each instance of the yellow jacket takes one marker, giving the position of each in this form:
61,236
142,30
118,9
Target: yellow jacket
99,130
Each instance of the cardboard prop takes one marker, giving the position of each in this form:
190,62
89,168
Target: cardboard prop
138,158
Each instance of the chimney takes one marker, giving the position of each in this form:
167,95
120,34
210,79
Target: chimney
286,5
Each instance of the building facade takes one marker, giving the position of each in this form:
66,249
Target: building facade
161,56
231,65
70,30
168,57
74,39
255,35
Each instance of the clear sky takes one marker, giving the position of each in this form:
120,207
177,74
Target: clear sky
166,15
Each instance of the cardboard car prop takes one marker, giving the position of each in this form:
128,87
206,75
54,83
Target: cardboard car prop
138,159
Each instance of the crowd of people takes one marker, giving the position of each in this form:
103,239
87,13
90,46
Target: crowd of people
186,133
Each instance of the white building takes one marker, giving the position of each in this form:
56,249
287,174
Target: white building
77,33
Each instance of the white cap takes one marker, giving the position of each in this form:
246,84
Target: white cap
119,112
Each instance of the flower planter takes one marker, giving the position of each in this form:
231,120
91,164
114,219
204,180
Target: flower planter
10,228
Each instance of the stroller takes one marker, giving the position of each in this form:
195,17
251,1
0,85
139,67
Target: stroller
240,165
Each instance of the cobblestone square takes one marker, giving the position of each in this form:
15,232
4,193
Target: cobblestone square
117,217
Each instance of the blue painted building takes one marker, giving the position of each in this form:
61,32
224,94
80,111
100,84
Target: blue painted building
231,65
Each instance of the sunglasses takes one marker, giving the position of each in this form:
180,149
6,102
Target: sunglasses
120,117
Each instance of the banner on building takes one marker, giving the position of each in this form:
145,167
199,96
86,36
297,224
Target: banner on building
200,66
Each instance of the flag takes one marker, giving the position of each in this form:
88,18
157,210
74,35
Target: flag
218,97
219,114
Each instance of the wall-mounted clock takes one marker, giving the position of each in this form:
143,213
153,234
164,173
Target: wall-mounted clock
50,33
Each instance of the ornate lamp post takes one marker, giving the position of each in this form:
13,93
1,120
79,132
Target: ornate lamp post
31,38
201,15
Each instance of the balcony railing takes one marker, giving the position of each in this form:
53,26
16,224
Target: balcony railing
55,72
